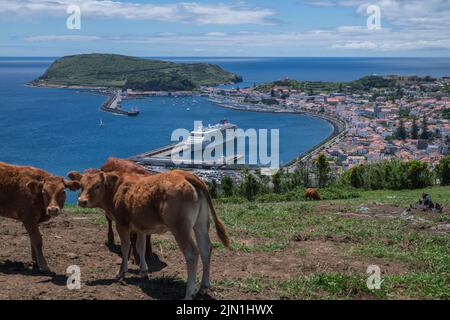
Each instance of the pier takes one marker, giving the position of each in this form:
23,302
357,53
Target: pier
162,157
113,105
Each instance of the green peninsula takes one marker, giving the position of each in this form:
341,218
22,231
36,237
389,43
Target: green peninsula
117,71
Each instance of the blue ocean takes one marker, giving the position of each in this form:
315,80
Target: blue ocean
58,129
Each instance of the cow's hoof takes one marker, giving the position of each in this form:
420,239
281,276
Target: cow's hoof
120,277
144,275
44,269
203,291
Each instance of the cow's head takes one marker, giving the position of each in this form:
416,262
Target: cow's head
53,192
94,187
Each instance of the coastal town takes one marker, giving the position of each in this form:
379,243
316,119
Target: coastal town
408,121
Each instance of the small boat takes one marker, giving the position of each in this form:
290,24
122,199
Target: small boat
133,112
188,109
101,124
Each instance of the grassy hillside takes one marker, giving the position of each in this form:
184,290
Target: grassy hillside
321,250
107,70
362,85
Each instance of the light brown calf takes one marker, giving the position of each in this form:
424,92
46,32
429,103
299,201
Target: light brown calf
121,166
177,201
32,196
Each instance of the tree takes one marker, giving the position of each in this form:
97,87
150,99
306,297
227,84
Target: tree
212,186
276,181
250,186
415,130
401,133
227,186
323,168
444,171
418,175
425,135
356,176
300,177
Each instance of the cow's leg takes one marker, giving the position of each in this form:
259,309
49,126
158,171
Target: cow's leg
36,245
201,230
190,252
33,254
140,246
149,250
110,231
134,252
124,234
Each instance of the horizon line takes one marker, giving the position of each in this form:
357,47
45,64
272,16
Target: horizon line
233,57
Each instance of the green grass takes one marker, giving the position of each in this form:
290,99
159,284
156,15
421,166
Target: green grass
406,197
74,209
344,286
422,255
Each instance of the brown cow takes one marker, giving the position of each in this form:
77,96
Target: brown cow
32,196
119,166
127,166
312,194
176,201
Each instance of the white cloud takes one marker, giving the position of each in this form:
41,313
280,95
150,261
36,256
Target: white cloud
356,45
47,38
412,25
340,39
411,13
226,14
408,26
216,34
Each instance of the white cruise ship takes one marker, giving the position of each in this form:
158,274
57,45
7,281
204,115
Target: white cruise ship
202,135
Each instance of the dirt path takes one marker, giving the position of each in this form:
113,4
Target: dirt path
76,240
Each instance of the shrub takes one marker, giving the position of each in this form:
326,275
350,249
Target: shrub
227,186
212,186
250,187
443,171
392,175
419,176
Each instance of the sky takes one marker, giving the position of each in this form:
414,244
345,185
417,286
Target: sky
227,28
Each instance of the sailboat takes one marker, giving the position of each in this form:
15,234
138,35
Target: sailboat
101,124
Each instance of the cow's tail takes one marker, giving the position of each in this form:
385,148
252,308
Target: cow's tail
220,228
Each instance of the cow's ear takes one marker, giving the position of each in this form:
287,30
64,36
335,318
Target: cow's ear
111,179
72,185
74,175
35,186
